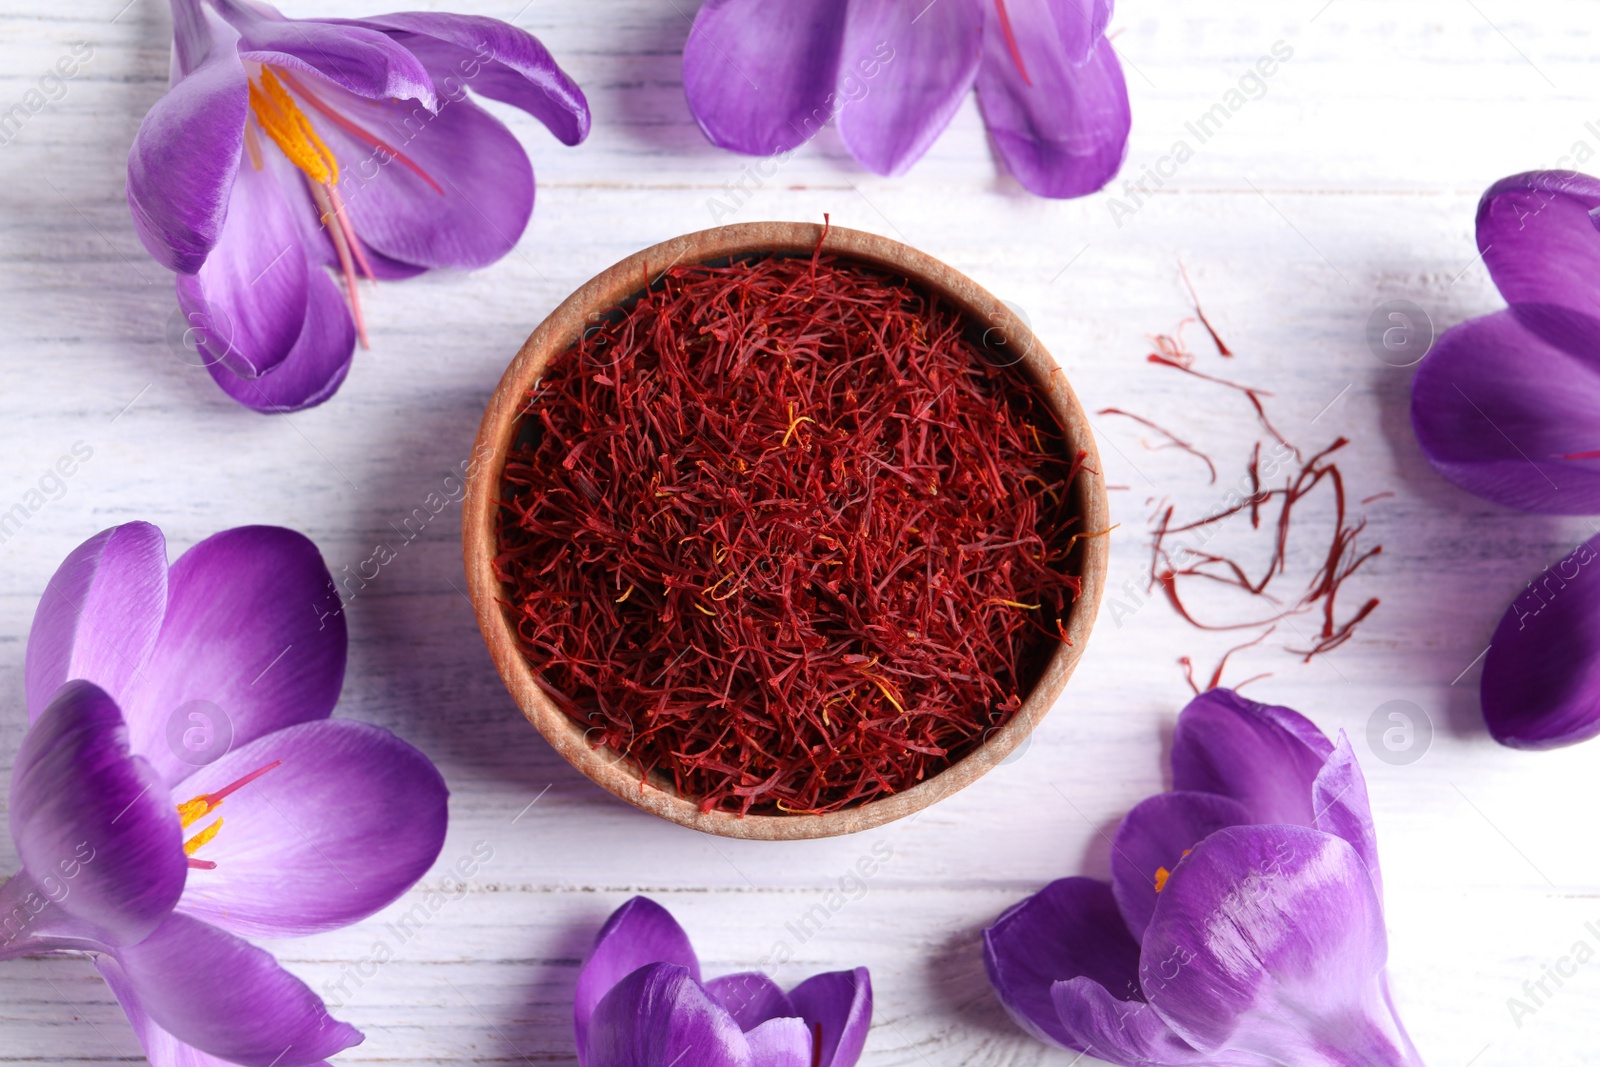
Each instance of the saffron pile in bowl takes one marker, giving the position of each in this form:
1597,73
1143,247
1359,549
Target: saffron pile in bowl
789,534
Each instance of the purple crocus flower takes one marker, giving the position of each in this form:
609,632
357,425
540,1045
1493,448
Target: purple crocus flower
181,788
287,146
763,78
1507,406
1243,926
641,1003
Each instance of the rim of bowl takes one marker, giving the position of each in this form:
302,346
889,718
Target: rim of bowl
557,333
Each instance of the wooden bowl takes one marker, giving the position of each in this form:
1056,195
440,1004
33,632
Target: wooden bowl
556,334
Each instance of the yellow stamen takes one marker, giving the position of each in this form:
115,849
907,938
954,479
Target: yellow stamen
283,121
194,844
192,811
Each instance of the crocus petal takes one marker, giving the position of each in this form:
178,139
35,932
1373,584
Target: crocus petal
348,822
902,75
1269,940
837,1005
659,1016
364,61
751,998
1063,129
85,809
254,628
481,191
225,997
1538,236
35,924
1339,801
160,1047
638,933
1069,929
493,59
1541,678
1079,25
185,156
1505,414
100,613
1263,756
319,361
781,1043
1131,1032
760,77
1154,836
248,302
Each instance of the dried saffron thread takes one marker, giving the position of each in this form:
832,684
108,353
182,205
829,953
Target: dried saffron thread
1177,442
1343,556
779,534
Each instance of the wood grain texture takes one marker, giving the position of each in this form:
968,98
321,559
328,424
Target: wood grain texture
1350,181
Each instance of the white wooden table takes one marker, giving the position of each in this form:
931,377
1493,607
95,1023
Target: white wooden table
1350,182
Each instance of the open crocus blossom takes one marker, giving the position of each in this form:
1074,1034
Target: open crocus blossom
289,146
1507,406
181,788
763,78
641,1003
1243,926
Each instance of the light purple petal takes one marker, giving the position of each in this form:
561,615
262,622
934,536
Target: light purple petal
781,1043
1156,834
1063,129
1539,240
86,810
186,154
481,191
248,303
1079,26
33,922
1069,929
225,997
761,77
1263,756
100,613
160,1047
254,630
659,1016
352,818
1269,940
1541,678
317,364
902,75
361,60
1505,414
837,1005
493,59
1339,800
751,998
638,933
1130,1032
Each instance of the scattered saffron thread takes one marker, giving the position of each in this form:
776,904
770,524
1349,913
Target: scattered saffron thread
1175,566
777,534
1177,442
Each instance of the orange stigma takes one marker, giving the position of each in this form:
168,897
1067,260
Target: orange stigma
192,811
1162,874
